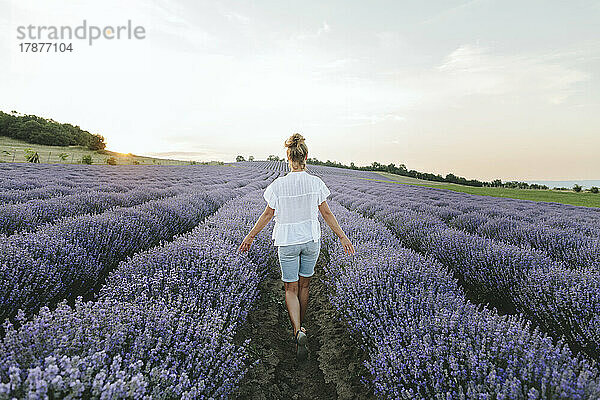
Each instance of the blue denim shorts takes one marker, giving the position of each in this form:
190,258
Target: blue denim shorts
298,259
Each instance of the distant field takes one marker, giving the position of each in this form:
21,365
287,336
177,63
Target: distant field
12,150
556,196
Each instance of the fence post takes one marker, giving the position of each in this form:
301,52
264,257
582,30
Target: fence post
14,152
48,160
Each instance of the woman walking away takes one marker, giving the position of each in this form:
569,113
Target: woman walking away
294,200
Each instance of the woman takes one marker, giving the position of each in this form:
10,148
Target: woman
294,200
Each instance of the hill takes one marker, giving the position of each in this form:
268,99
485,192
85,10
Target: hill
39,130
12,150
585,199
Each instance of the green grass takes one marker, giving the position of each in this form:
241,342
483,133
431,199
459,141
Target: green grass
565,197
12,150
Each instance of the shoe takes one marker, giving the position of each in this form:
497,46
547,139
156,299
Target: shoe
301,349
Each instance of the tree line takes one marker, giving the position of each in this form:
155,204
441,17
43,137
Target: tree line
450,178
402,170
38,130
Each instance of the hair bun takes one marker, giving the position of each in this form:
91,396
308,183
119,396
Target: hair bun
295,140
296,149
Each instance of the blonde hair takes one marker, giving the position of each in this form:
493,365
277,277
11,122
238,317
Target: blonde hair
296,149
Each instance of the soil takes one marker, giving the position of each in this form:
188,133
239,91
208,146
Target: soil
334,366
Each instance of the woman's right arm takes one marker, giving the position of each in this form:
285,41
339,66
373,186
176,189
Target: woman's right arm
335,227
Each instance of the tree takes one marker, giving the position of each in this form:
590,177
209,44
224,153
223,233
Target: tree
250,158
29,131
451,178
34,129
239,159
576,188
594,189
87,159
96,142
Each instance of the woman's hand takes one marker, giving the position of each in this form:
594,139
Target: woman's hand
246,243
347,245
263,220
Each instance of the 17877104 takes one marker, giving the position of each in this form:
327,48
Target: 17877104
45,47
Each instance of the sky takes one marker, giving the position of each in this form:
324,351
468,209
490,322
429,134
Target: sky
481,89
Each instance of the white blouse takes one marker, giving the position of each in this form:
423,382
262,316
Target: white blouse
295,198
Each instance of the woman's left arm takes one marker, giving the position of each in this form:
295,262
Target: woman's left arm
263,220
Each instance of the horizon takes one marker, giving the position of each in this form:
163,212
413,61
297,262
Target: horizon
442,87
586,183
165,155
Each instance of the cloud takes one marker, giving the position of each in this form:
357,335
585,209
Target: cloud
371,119
324,28
473,81
340,64
450,12
236,17
390,40
210,75
475,70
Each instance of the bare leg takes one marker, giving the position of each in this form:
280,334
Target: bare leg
293,304
303,296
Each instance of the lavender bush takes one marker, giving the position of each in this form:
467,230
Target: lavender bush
426,341
72,257
162,327
28,216
502,274
575,249
163,324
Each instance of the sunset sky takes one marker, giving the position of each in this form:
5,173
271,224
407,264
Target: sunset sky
482,89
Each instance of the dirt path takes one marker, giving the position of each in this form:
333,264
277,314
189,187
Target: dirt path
334,365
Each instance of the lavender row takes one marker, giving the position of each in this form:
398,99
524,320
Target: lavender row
278,166
324,171
24,177
574,249
448,204
28,216
561,300
72,257
53,181
321,170
548,213
50,191
30,176
31,214
426,341
163,326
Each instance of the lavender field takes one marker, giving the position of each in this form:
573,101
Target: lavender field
125,282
